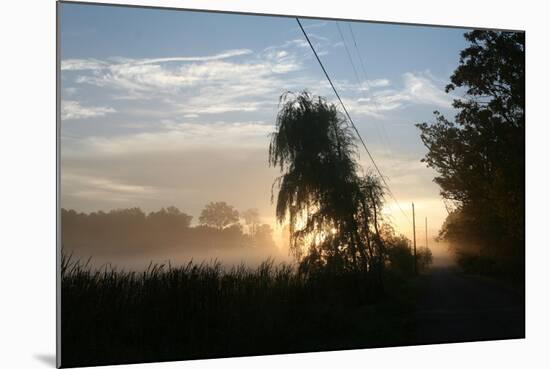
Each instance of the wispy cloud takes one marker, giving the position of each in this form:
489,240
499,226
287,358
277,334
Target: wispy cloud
169,74
297,42
175,137
100,188
95,64
82,64
71,109
224,55
382,82
421,88
417,89
310,26
315,25
194,85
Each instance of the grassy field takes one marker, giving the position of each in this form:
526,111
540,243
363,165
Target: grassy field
204,311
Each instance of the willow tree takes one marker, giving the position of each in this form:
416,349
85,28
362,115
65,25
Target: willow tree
330,208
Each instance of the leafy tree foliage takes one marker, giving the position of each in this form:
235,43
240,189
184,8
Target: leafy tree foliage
399,252
219,215
332,211
480,156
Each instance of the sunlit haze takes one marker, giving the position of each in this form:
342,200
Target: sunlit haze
174,108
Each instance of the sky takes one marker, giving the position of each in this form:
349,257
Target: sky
164,107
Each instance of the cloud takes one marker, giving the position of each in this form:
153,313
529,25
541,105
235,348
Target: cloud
82,64
315,25
95,64
176,137
294,43
197,109
100,188
71,109
69,91
310,26
223,55
417,89
170,75
362,86
420,88
194,84
382,82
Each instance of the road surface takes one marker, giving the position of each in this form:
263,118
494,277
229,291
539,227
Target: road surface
457,308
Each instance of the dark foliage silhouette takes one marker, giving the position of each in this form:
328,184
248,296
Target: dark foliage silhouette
480,156
399,255
205,311
333,213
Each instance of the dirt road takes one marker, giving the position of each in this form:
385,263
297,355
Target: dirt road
458,308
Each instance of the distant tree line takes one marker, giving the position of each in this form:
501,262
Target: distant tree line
132,230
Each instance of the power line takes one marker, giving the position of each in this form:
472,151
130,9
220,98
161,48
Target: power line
378,133
347,51
349,117
382,135
375,101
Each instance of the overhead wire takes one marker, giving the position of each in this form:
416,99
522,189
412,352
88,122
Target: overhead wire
385,136
383,179
378,132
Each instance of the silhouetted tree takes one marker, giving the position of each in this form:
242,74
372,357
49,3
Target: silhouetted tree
480,156
219,215
328,204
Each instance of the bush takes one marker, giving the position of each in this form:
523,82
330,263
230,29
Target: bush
424,258
401,258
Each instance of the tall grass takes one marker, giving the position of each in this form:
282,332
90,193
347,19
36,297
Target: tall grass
203,310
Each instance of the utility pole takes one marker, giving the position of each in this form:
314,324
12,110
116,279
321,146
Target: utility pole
414,242
426,232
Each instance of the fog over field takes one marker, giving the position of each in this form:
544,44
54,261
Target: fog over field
163,115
